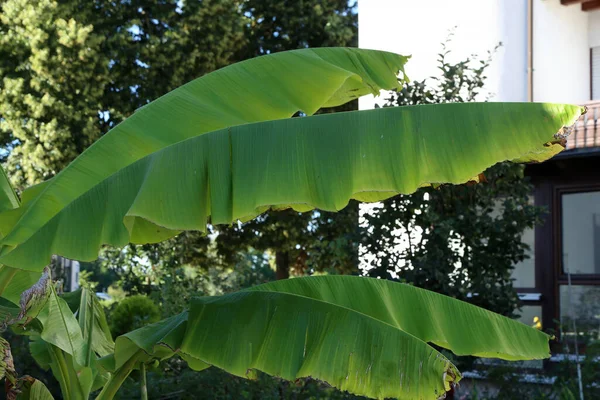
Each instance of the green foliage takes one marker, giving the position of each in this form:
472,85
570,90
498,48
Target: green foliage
181,383
51,89
333,328
131,313
70,70
560,380
303,242
457,240
162,274
274,25
66,337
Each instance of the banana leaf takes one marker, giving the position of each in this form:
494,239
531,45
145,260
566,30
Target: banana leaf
264,88
13,281
364,335
320,162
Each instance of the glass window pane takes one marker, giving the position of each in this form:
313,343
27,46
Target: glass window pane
584,306
524,272
532,316
581,232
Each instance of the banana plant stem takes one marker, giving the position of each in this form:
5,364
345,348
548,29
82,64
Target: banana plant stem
118,377
143,386
62,373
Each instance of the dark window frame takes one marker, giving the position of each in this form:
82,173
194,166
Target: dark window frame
560,276
549,249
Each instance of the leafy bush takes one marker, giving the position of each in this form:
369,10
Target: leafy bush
457,240
132,313
179,382
561,382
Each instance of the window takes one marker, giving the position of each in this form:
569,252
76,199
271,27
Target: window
524,272
595,72
578,281
531,315
580,304
581,233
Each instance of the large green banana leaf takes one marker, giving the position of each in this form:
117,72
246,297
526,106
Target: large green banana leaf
8,197
265,88
304,163
13,281
363,335
432,317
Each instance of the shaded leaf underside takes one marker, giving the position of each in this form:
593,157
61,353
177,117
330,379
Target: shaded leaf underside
363,335
303,163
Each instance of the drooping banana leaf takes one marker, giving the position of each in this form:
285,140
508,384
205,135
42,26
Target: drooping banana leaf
363,335
159,340
313,162
264,88
432,317
13,281
8,197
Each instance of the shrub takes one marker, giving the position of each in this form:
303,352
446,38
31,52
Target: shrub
132,313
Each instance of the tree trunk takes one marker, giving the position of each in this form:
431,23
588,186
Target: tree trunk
282,263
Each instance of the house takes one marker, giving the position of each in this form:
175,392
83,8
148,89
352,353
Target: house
550,53
66,272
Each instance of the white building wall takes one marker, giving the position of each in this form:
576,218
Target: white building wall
562,38
75,268
594,28
419,27
561,52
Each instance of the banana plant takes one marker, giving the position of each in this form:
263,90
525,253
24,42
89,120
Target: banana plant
64,337
224,148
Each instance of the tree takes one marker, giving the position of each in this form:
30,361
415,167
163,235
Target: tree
303,242
72,70
274,26
461,240
51,90
154,47
362,335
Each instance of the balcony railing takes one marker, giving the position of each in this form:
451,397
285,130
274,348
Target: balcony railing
587,129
